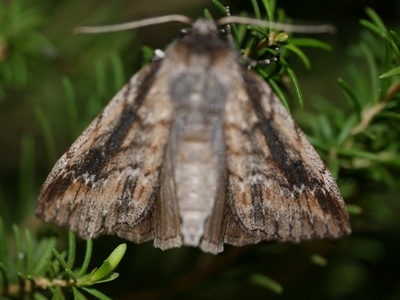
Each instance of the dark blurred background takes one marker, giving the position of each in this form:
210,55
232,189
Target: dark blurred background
58,66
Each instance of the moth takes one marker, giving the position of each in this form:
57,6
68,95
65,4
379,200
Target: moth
195,150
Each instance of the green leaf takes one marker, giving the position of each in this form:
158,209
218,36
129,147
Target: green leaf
346,130
32,281
96,293
392,72
350,96
372,70
219,6
269,8
256,9
64,265
266,282
334,166
109,264
307,42
39,296
259,30
118,73
354,209
300,54
325,128
360,85
318,260
383,174
375,29
57,293
281,37
147,54
222,9
88,254
359,153
241,32
71,249
18,247
389,115
22,280
207,14
396,39
26,178
388,64
281,15
100,79
109,277
29,250
59,258
5,280
235,33
72,110
374,17
50,269
3,238
279,93
296,86
77,294
48,136
42,251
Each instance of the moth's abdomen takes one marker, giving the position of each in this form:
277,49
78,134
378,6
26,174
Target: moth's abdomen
196,179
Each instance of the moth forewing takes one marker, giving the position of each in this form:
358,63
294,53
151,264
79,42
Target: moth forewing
103,184
167,224
194,150
279,187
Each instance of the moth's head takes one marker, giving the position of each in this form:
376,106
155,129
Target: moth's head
204,26
202,31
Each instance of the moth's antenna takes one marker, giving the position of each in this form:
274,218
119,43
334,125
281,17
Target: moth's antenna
134,24
279,26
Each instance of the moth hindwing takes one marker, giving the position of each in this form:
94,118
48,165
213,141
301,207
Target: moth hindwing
194,150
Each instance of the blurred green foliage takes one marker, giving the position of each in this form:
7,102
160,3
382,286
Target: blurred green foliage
19,41
40,274
53,84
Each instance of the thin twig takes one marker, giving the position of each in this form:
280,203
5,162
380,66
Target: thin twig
369,113
39,282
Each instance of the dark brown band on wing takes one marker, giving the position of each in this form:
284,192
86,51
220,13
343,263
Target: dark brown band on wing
294,170
97,157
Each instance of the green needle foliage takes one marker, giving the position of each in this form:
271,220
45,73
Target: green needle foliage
258,43
36,269
363,139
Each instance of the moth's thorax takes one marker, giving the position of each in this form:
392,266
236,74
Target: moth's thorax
202,46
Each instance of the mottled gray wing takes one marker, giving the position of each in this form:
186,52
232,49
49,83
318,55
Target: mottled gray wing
108,180
278,188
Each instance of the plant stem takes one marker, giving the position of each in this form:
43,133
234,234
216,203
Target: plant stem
369,113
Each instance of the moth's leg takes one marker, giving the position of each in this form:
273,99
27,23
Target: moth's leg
251,63
227,32
228,29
